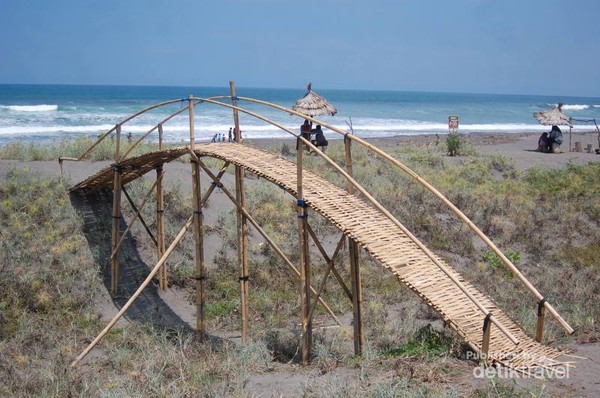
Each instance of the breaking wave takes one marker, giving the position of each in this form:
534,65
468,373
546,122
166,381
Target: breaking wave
30,108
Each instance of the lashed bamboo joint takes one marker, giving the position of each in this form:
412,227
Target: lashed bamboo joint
364,222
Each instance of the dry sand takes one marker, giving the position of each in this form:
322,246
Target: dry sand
583,381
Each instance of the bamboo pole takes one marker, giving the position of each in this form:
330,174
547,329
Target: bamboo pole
160,136
348,161
242,226
116,217
539,327
304,265
153,272
198,231
160,218
353,252
355,280
485,341
427,186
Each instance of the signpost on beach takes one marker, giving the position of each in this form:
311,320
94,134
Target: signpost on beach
452,123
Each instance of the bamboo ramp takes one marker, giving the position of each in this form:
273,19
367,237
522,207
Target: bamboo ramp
382,239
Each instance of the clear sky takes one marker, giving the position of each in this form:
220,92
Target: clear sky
486,46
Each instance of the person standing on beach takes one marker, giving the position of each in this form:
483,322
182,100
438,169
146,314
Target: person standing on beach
230,134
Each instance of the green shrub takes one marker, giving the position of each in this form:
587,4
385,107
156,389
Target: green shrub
453,144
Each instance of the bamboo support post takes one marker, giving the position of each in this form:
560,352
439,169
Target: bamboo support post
160,219
485,341
348,161
153,272
116,217
198,232
355,280
304,259
160,136
539,327
270,242
242,226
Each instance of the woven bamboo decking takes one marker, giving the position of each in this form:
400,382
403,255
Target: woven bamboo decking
380,237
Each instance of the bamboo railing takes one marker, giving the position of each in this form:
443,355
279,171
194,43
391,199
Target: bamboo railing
304,230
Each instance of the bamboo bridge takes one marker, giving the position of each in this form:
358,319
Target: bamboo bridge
363,221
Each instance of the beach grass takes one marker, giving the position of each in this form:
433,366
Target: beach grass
546,220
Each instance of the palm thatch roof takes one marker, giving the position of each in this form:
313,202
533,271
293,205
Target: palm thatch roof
553,117
312,104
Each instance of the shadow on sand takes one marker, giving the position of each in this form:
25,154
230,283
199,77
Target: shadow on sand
96,210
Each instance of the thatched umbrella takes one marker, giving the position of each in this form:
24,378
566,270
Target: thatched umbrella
312,104
553,117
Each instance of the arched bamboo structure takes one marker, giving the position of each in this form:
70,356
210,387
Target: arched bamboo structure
365,222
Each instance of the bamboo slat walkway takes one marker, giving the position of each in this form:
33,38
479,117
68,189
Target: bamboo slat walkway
382,239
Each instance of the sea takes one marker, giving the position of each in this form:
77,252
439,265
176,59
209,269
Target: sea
47,113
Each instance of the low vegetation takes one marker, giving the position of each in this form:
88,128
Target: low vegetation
546,222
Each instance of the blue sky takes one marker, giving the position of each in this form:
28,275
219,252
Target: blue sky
486,46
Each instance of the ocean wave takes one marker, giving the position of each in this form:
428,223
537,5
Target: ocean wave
30,108
575,107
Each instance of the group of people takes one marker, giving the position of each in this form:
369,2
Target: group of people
222,138
550,142
319,139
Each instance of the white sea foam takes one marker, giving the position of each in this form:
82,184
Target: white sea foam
575,107
30,108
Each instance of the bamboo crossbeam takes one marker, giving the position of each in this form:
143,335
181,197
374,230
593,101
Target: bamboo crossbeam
136,216
331,260
271,243
153,272
330,267
137,212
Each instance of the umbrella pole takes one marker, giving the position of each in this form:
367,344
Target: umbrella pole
570,138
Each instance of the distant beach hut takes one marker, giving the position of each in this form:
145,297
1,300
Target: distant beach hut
312,104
